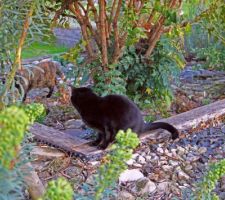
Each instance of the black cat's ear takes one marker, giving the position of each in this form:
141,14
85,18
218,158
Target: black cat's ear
89,86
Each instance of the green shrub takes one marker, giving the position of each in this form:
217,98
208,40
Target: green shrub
13,123
14,151
35,112
205,188
58,190
148,81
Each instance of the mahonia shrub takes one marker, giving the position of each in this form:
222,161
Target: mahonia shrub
208,184
59,189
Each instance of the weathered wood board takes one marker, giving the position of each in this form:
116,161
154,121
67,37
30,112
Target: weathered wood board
56,138
82,147
193,118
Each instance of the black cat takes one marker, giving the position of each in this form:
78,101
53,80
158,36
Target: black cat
112,113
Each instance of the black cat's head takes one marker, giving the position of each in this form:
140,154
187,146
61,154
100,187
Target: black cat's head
80,94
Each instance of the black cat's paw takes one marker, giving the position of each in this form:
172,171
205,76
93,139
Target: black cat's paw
94,143
102,146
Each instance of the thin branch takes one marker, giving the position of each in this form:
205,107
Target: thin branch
102,19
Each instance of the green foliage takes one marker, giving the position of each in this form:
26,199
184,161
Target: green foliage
213,55
58,190
13,122
35,112
149,81
205,188
108,173
116,86
115,161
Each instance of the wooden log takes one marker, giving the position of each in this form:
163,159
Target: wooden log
193,118
35,187
67,142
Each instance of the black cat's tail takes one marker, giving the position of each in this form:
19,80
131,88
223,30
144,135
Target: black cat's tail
162,125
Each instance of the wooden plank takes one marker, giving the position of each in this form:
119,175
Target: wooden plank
62,140
193,118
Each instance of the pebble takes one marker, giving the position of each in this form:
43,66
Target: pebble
173,163
141,160
130,175
144,185
160,150
124,195
163,186
202,150
167,168
130,162
134,156
148,158
137,165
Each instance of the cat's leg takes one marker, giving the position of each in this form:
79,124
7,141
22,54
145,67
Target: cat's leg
51,89
24,97
106,138
97,140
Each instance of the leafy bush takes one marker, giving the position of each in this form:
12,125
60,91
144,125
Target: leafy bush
205,188
35,112
58,190
149,80
14,122
214,56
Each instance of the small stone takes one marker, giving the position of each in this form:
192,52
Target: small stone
148,158
181,151
46,60
143,154
124,195
202,150
137,165
167,168
181,174
160,150
188,168
35,62
144,185
94,163
134,156
173,163
163,162
163,186
141,160
74,124
130,162
130,175
192,158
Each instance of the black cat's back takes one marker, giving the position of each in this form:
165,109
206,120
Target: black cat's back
122,113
